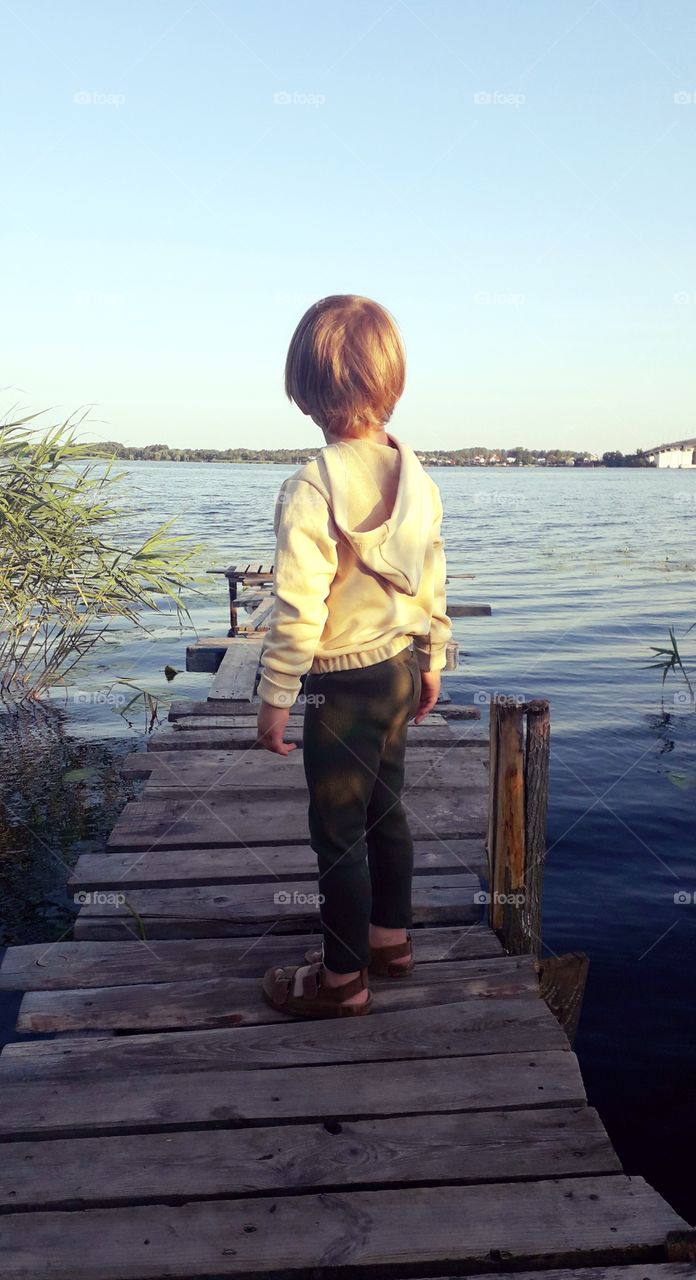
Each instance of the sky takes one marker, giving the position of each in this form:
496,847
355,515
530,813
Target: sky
513,179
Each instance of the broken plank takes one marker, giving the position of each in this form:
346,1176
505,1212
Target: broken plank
237,673
462,1148
45,966
575,1220
471,1028
226,1002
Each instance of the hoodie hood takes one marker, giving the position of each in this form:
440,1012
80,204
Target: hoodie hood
395,549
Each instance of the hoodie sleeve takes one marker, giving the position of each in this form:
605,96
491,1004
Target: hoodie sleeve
305,566
431,650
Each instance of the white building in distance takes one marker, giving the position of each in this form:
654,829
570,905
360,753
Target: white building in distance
678,455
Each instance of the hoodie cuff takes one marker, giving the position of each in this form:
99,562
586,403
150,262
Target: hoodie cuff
278,688
431,657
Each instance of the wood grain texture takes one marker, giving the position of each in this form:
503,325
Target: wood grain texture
261,771
461,1148
577,1220
228,1002
216,1098
49,966
472,1028
236,675
434,731
186,823
244,909
167,868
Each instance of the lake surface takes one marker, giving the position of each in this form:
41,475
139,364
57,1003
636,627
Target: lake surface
585,571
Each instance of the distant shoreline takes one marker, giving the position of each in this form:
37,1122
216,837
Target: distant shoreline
476,457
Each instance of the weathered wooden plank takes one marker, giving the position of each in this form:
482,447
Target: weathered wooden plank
235,770
169,1101
236,675
472,1028
205,823
221,718
183,708
469,610
228,1002
228,911
166,868
173,738
640,1271
574,1220
456,1148
45,966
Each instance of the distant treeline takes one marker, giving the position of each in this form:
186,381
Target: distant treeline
476,456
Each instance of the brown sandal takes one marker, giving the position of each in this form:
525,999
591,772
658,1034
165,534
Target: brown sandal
381,960
316,1001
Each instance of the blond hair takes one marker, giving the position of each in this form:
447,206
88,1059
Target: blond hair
346,365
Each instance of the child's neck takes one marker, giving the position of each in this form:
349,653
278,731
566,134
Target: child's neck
377,435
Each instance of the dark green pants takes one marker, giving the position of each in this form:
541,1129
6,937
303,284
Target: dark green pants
354,748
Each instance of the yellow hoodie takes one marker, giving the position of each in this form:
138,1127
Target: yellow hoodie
359,568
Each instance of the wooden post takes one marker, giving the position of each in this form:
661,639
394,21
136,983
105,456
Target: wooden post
517,820
232,584
536,795
562,985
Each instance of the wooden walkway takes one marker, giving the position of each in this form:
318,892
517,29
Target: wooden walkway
172,1125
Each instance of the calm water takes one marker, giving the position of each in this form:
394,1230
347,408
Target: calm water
585,570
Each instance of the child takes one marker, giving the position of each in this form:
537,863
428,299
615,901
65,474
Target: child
360,605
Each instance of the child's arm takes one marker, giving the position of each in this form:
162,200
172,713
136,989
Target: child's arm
431,650
305,566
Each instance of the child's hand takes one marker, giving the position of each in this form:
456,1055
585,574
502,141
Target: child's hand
271,727
430,691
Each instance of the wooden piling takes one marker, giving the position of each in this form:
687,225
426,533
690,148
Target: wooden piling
519,771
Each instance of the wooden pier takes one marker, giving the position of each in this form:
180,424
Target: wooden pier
163,1121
